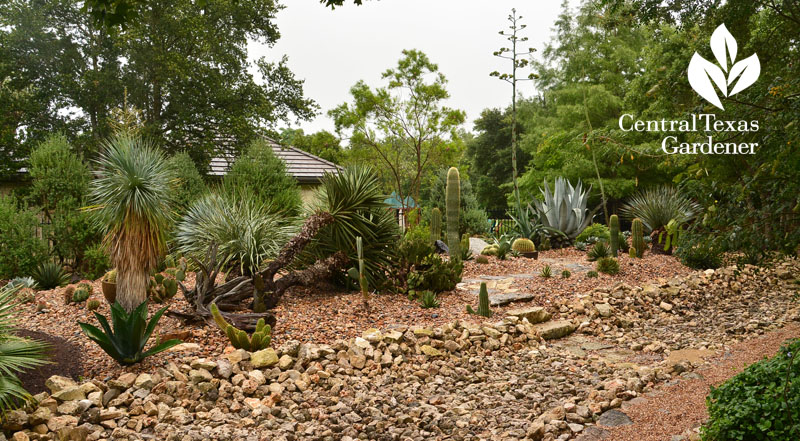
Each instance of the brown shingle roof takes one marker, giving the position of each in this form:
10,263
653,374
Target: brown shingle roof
305,167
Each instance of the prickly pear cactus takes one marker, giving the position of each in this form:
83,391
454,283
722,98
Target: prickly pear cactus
239,339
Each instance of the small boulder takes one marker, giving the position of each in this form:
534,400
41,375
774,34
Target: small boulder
264,358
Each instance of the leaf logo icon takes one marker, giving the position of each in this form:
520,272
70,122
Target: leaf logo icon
704,75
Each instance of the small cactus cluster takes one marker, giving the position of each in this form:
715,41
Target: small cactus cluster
436,225
162,288
239,339
637,237
77,294
523,245
483,303
92,304
613,225
482,259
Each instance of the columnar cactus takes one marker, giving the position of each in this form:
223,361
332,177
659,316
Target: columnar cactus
239,339
436,224
453,202
613,225
483,303
637,237
358,274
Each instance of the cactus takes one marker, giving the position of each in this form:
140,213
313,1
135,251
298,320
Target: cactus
466,252
436,224
482,259
483,303
88,287
632,252
523,245
80,295
565,274
637,237
69,291
239,339
545,245
111,276
613,225
453,206
608,265
489,250
92,304
161,288
592,274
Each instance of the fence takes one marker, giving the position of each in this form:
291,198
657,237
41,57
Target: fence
499,222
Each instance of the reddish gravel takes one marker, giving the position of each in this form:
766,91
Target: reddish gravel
324,314
672,410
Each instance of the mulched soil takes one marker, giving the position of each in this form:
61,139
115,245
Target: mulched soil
65,359
672,410
325,313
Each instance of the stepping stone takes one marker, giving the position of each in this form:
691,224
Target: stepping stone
535,315
554,330
592,433
595,346
493,277
614,418
508,297
522,276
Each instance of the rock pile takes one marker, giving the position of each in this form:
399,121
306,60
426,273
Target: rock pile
503,380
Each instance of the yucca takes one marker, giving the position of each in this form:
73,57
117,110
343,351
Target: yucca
131,201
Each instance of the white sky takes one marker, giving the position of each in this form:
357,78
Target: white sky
332,50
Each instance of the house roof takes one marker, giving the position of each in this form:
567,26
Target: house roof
305,167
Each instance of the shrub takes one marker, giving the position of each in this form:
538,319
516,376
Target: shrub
261,174
699,254
21,250
435,274
188,184
73,233
49,275
125,343
599,251
760,403
95,262
599,231
608,265
472,220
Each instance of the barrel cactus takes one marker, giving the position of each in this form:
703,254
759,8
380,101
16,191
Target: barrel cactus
80,295
523,245
613,225
453,207
637,237
92,304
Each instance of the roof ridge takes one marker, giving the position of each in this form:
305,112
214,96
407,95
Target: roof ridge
303,152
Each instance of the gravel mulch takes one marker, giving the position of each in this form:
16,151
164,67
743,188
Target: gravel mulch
672,411
324,314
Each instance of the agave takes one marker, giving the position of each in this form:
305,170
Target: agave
429,300
565,208
131,331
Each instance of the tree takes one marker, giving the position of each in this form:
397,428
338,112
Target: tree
512,55
188,184
131,197
323,144
185,67
404,124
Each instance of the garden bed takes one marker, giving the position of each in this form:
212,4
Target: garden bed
325,313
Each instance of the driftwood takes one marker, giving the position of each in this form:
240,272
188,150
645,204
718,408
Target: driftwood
263,288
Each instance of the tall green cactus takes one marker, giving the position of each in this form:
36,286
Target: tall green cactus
239,339
613,225
637,237
436,224
483,303
453,206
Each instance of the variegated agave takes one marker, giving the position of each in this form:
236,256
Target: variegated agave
565,208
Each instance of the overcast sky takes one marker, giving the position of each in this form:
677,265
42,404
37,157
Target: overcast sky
332,50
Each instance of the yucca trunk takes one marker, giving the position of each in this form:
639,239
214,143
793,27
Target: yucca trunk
135,250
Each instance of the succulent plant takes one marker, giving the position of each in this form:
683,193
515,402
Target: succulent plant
87,286
25,295
546,272
110,276
162,288
565,274
466,251
50,275
565,208
592,274
80,295
239,339
483,303
436,225
429,300
523,245
490,250
92,304
358,274
637,237
632,252
608,265
453,207
613,225
69,291
482,259
598,251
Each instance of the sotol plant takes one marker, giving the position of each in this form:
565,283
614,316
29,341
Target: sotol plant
453,207
483,303
260,339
